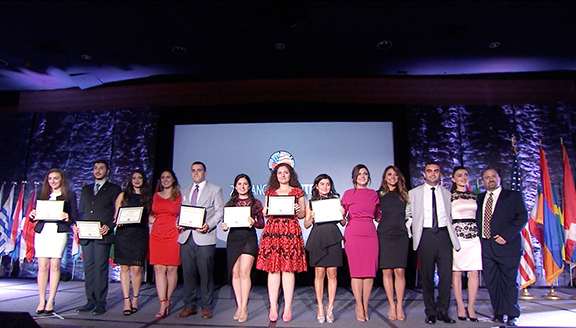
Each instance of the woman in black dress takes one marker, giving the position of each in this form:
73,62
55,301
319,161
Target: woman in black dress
242,244
393,239
131,243
325,247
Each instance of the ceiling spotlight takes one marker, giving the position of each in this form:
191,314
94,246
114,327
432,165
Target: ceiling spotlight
3,63
280,46
384,45
494,45
179,50
86,56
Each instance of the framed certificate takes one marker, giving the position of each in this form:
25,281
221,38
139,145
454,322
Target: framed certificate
326,210
236,217
49,210
191,216
129,214
281,205
89,229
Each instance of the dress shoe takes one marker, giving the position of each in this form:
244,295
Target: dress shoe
431,319
446,318
206,314
187,312
86,308
98,310
512,321
498,319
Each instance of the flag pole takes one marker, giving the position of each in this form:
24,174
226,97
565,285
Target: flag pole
552,294
525,296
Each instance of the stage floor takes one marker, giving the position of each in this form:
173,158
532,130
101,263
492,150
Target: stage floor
20,295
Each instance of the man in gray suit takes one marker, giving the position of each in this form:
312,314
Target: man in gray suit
198,246
428,212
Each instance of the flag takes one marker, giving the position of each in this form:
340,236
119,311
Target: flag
552,246
569,208
75,247
477,187
28,233
5,215
17,224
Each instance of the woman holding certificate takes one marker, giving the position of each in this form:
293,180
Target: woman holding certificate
361,207
324,243
393,239
281,252
131,242
164,247
242,243
52,235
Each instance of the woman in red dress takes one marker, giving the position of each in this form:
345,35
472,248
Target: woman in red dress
164,247
281,252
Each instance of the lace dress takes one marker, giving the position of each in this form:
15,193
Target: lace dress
469,258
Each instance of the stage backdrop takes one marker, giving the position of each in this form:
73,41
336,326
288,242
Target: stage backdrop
474,136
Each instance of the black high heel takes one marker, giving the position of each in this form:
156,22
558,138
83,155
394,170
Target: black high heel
469,317
134,309
48,312
127,312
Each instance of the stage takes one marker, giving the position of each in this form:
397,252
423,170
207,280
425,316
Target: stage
20,295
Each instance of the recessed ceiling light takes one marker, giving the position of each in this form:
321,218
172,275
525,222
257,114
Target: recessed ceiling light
86,56
178,50
494,45
280,46
384,45
3,63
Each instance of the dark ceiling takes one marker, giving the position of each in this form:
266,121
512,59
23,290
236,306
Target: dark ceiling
49,45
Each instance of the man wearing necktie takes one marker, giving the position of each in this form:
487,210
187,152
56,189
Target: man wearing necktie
198,246
428,213
500,217
97,204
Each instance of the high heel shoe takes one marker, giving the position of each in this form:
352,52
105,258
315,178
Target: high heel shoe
360,318
392,313
469,317
49,312
127,312
287,317
329,314
134,309
164,314
400,314
273,318
321,318
243,318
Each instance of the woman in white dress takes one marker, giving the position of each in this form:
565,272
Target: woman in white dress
51,238
469,258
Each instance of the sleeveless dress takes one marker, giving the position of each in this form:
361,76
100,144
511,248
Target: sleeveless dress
324,245
131,242
360,237
469,258
50,243
244,240
282,245
392,233
164,246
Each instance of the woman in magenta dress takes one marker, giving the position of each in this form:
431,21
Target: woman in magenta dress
281,252
164,247
361,206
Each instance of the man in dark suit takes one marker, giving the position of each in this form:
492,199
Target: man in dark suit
97,204
500,217
428,214
198,246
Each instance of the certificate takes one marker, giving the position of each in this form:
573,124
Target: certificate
236,217
326,210
49,210
129,214
89,229
281,205
191,216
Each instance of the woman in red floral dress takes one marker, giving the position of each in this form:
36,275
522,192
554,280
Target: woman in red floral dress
281,252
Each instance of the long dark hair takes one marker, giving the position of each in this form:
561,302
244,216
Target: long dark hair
356,173
400,189
175,185
454,186
235,196
316,193
145,191
273,183
47,190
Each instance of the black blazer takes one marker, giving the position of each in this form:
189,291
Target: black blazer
508,219
70,207
99,207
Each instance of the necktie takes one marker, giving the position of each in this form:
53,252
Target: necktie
434,212
488,216
194,197
96,188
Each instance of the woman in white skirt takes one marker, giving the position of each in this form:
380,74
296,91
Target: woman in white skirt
51,237
469,258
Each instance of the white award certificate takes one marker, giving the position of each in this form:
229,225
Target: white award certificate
191,216
326,210
281,205
49,210
129,214
89,229
236,217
